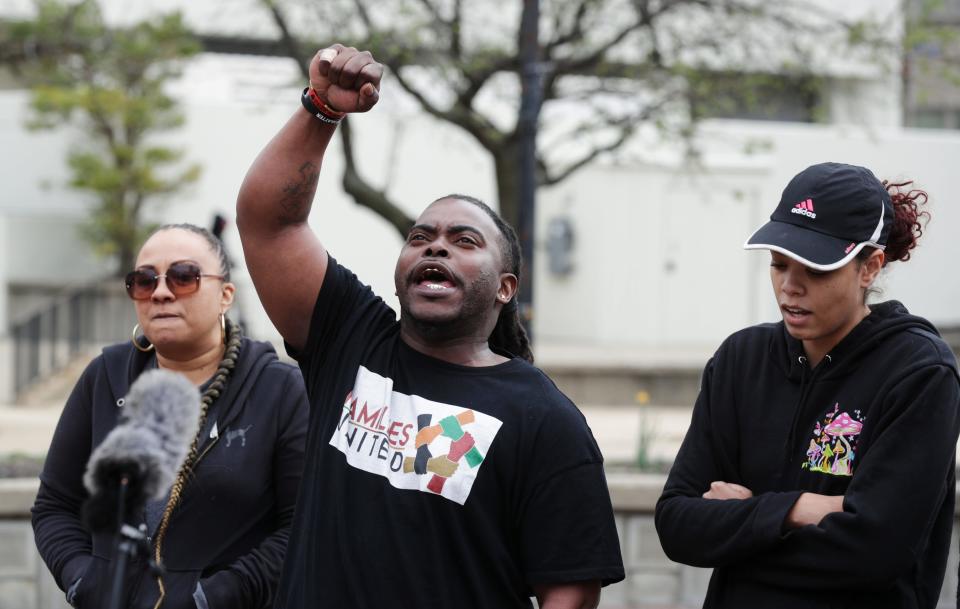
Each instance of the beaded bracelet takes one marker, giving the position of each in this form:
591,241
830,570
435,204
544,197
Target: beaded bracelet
316,106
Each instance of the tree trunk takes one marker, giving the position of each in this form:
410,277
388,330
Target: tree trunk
126,259
507,167
509,171
126,235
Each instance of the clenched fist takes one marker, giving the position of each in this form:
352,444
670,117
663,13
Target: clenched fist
346,79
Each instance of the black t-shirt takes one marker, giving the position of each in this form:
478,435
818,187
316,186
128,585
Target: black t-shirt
430,484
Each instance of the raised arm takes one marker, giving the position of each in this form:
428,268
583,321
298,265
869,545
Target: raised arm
286,260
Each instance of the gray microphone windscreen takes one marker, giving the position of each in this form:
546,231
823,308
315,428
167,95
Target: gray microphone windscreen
168,405
157,426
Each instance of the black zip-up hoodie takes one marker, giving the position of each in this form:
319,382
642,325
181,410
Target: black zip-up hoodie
230,529
876,421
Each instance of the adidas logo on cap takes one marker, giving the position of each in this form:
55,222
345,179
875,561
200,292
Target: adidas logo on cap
804,208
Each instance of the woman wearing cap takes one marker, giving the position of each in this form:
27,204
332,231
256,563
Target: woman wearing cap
221,532
818,470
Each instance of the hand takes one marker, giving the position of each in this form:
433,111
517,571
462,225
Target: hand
811,508
346,79
727,490
576,595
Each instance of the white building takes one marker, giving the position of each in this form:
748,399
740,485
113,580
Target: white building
658,273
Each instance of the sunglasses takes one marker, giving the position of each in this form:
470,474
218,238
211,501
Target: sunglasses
182,278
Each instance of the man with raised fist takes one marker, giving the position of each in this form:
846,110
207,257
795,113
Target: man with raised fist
443,469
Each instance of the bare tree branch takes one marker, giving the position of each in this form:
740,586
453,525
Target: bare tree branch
550,178
364,15
573,34
456,30
480,128
363,193
626,126
434,12
581,64
286,38
480,71
676,51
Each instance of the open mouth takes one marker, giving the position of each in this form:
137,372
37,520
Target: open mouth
433,277
794,313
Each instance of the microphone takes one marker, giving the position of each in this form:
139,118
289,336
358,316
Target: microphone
139,459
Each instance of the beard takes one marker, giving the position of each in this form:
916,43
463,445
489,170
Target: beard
472,314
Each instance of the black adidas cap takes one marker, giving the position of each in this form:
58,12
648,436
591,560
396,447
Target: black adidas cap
827,214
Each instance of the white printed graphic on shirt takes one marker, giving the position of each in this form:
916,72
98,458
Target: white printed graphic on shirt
413,442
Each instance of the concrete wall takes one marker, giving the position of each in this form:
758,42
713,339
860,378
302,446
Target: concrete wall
653,581
25,582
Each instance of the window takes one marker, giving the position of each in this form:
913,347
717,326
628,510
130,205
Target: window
774,97
934,118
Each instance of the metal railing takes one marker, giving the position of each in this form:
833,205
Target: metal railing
75,322
90,317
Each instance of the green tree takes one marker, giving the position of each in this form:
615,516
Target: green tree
610,69
108,83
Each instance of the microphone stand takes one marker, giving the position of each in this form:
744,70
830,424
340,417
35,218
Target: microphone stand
130,543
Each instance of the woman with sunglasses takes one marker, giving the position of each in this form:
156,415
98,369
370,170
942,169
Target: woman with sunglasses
818,470
221,532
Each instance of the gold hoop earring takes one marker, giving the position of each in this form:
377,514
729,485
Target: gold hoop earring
136,343
223,328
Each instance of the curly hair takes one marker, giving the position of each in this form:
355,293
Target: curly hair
907,228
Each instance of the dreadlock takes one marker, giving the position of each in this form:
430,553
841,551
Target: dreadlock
216,245
508,335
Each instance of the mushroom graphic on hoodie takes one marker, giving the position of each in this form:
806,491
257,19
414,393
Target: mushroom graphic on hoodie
836,450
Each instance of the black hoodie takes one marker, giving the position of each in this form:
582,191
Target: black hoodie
231,527
876,421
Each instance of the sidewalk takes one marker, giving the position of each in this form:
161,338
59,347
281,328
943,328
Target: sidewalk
621,430
27,430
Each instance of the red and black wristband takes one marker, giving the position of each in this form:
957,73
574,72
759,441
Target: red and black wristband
316,106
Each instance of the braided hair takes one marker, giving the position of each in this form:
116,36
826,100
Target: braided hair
216,245
234,338
508,335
